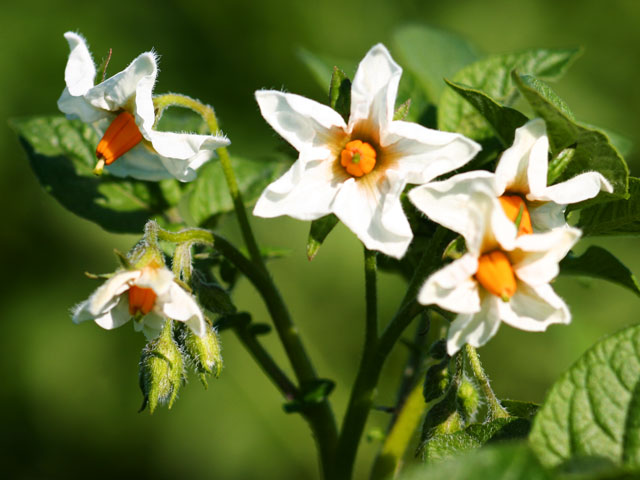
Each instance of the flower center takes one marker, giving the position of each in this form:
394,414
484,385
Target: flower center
495,274
516,209
358,158
141,300
121,136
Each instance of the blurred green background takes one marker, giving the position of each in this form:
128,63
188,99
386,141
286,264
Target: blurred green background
69,394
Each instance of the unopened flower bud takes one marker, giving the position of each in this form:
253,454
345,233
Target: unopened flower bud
436,380
203,352
161,370
468,399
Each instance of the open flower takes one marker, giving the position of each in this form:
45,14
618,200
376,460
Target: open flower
503,277
148,295
357,170
121,108
520,183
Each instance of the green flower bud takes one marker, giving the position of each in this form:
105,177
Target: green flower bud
468,399
161,370
437,380
203,352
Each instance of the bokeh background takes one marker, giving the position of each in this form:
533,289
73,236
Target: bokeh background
69,395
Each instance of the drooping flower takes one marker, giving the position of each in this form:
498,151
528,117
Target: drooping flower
121,109
520,182
503,276
357,170
149,295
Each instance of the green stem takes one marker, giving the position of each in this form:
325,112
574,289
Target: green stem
496,410
373,359
395,445
371,298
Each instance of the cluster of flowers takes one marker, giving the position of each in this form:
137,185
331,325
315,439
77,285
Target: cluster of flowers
513,224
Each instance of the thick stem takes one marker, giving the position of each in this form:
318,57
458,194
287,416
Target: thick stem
496,410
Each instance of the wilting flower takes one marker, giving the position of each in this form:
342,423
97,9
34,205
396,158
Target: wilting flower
121,107
149,295
357,170
520,182
503,277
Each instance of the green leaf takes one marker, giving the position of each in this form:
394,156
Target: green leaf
474,436
209,194
503,120
62,155
593,151
340,93
499,462
593,410
599,263
620,217
491,75
318,232
311,394
431,55
518,408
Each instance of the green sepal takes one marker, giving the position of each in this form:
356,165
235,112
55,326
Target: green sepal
203,353
311,394
437,380
597,262
340,93
318,232
593,151
402,111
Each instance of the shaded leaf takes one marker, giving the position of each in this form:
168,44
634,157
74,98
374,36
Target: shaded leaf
599,263
593,410
518,408
620,217
431,55
311,393
491,75
340,93
62,155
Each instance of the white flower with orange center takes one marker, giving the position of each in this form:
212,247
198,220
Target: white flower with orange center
121,108
357,170
503,277
148,295
520,183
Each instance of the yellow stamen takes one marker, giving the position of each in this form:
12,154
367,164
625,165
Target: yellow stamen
358,158
141,300
495,274
515,207
121,136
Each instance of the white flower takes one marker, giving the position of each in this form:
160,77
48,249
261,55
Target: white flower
357,170
502,277
520,182
149,295
122,108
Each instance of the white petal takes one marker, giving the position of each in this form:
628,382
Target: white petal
546,216
141,163
104,298
157,279
534,308
80,71
183,308
453,287
466,204
476,329
78,107
581,187
151,325
117,316
307,125
305,191
523,166
374,88
373,211
535,258
81,313
424,154
114,93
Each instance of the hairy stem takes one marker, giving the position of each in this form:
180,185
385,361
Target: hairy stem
496,410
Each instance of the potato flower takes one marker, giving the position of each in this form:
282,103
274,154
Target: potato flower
503,276
149,295
121,108
357,170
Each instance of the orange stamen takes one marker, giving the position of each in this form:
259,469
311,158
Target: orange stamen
141,300
515,206
121,136
495,274
358,158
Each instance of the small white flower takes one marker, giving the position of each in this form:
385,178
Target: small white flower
121,107
149,295
357,170
502,277
520,181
